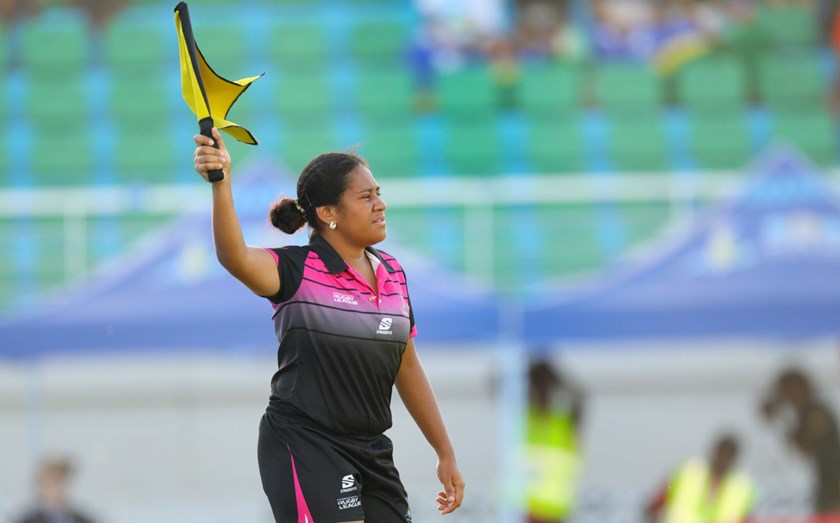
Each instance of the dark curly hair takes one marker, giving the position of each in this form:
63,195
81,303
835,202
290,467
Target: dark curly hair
322,182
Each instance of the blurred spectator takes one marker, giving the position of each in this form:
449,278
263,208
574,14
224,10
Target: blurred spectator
705,490
668,33
53,504
503,63
826,11
552,456
621,29
454,32
13,10
100,12
809,426
544,30
683,31
834,41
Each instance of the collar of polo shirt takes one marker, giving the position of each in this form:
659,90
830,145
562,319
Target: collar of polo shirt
333,262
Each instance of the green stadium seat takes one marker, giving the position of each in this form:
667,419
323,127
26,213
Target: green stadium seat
302,98
638,145
133,226
717,84
792,82
789,25
139,102
135,50
49,237
297,47
392,151
720,142
469,93
4,104
642,221
580,250
4,164
225,50
61,158
549,91
628,89
385,94
379,43
556,147
473,148
57,104
301,145
55,46
145,155
815,133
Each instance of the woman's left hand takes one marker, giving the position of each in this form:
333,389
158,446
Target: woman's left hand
451,497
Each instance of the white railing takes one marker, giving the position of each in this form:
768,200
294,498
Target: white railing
477,196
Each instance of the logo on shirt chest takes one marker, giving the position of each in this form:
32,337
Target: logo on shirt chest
385,326
344,298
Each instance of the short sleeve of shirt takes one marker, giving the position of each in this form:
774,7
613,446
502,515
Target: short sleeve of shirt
413,328
403,280
290,261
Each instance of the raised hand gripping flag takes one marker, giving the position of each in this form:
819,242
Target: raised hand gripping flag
209,95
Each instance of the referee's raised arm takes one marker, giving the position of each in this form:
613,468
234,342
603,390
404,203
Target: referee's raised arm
253,266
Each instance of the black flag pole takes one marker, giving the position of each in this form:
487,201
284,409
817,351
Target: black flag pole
205,124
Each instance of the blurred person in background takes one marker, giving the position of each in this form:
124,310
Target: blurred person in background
810,426
623,30
708,490
100,12
552,454
545,31
13,10
458,32
53,505
345,326
833,38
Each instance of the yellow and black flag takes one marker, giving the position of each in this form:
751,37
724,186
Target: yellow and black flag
209,95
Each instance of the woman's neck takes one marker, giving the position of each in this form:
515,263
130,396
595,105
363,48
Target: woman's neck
351,254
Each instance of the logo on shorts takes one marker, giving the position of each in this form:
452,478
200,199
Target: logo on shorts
385,326
348,484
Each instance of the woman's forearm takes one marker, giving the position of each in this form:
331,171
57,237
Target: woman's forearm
419,399
229,243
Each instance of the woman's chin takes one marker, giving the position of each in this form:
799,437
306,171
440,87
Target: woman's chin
378,236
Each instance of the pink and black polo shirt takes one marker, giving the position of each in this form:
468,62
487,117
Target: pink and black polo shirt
341,341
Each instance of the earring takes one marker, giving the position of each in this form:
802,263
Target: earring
332,224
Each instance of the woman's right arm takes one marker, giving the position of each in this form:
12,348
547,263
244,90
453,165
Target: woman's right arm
253,266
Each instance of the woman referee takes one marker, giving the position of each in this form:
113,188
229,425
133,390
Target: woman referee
345,326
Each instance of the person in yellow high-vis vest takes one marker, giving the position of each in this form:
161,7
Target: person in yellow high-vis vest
552,458
706,490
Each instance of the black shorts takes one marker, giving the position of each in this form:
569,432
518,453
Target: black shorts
311,476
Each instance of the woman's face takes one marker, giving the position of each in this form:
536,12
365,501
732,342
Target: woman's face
360,214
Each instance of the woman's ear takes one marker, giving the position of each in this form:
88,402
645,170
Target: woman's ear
326,213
